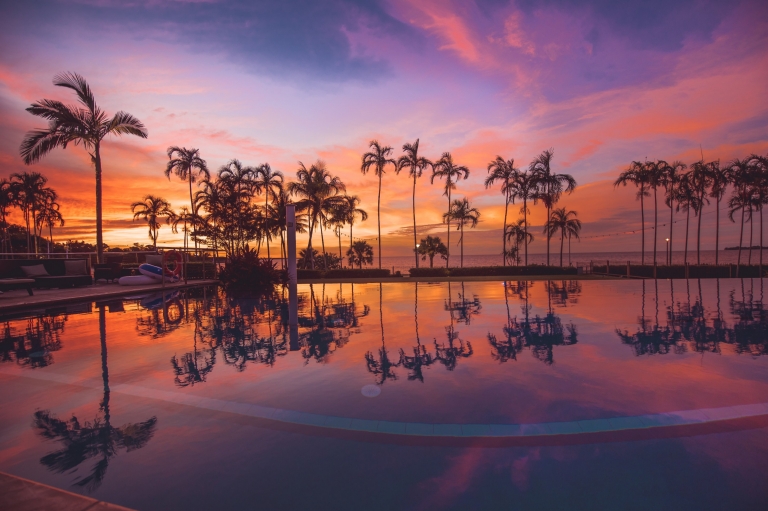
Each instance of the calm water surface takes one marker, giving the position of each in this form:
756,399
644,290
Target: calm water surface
148,402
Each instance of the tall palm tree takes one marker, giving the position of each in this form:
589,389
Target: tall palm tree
551,185
670,180
687,199
184,218
415,165
188,166
377,158
701,180
30,193
464,214
351,212
719,181
504,171
7,200
271,183
430,247
360,253
85,125
151,209
445,168
741,198
50,217
567,223
318,193
760,164
656,176
637,174
525,189
518,233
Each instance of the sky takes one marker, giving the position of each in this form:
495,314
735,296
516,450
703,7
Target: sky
601,82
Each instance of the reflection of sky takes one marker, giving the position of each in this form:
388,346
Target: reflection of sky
601,82
598,376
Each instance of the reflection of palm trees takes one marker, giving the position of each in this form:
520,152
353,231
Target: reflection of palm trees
381,366
564,292
420,358
463,307
750,334
42,335
97,439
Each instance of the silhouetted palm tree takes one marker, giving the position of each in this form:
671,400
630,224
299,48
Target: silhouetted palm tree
378,159
6,202
719,181
415,165
430,247
550,185
504,171
50,217
525,189
271,183
360,253
741,199
687,199
464,214
656,177
701,180
76,125
350,212
671,179
30,194
518,233
445,168
188,166
564,222
183,217
151,209
638,175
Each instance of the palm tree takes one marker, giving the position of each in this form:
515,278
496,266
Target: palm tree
360,253
720,179
504,171
687,199
637,174
760,164
188,166
30,193
378,159
551,186
445,168
350,212
50,217
7,200
151,209
464,214
518,233
430,247
318,192
671,179
701,180
656,177
270,182
525,189
415,165
741,199
566,223
86,126
183,217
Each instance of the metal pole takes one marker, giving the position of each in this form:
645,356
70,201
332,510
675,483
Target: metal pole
293,299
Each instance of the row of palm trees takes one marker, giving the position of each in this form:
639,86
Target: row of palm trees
38,203
690,188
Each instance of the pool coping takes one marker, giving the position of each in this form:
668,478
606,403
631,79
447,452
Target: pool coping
20,493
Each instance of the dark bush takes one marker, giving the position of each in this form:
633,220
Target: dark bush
249,275
309,274
702,271
365,273
492,271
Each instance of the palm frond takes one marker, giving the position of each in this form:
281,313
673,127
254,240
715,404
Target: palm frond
123,123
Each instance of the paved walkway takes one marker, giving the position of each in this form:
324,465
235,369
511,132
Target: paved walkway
19,299
20,494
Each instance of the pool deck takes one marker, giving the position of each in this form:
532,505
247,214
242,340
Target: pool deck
24,495
11,301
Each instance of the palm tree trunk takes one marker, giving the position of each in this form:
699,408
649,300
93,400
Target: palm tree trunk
761,241
548,236
717,232
525,227
99,232
378,215
741,241
562,240
642,226
34,236
322,245
671,223
504,229
191,203
698,233
687,221
415,253
448,254
267,221
462,244
655,222
350,240
310,259
751,230
569,249
341,259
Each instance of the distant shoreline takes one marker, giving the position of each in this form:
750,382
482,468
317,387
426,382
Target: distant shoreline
755,247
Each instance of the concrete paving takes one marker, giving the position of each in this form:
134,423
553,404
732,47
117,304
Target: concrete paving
24,495
17,300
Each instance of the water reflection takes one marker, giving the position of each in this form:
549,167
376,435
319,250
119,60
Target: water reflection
97,439
30,342
690,326
540,334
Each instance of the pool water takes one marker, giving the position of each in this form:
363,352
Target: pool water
477,395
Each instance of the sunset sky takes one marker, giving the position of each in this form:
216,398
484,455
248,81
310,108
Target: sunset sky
279,81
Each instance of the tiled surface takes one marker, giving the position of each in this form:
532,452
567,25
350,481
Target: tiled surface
668,419
24,495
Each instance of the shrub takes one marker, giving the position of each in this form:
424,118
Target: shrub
345,273
492,271
249,275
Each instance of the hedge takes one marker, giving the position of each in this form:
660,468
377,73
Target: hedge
703,271
493,271
364,273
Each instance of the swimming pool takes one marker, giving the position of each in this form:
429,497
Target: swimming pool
481,395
